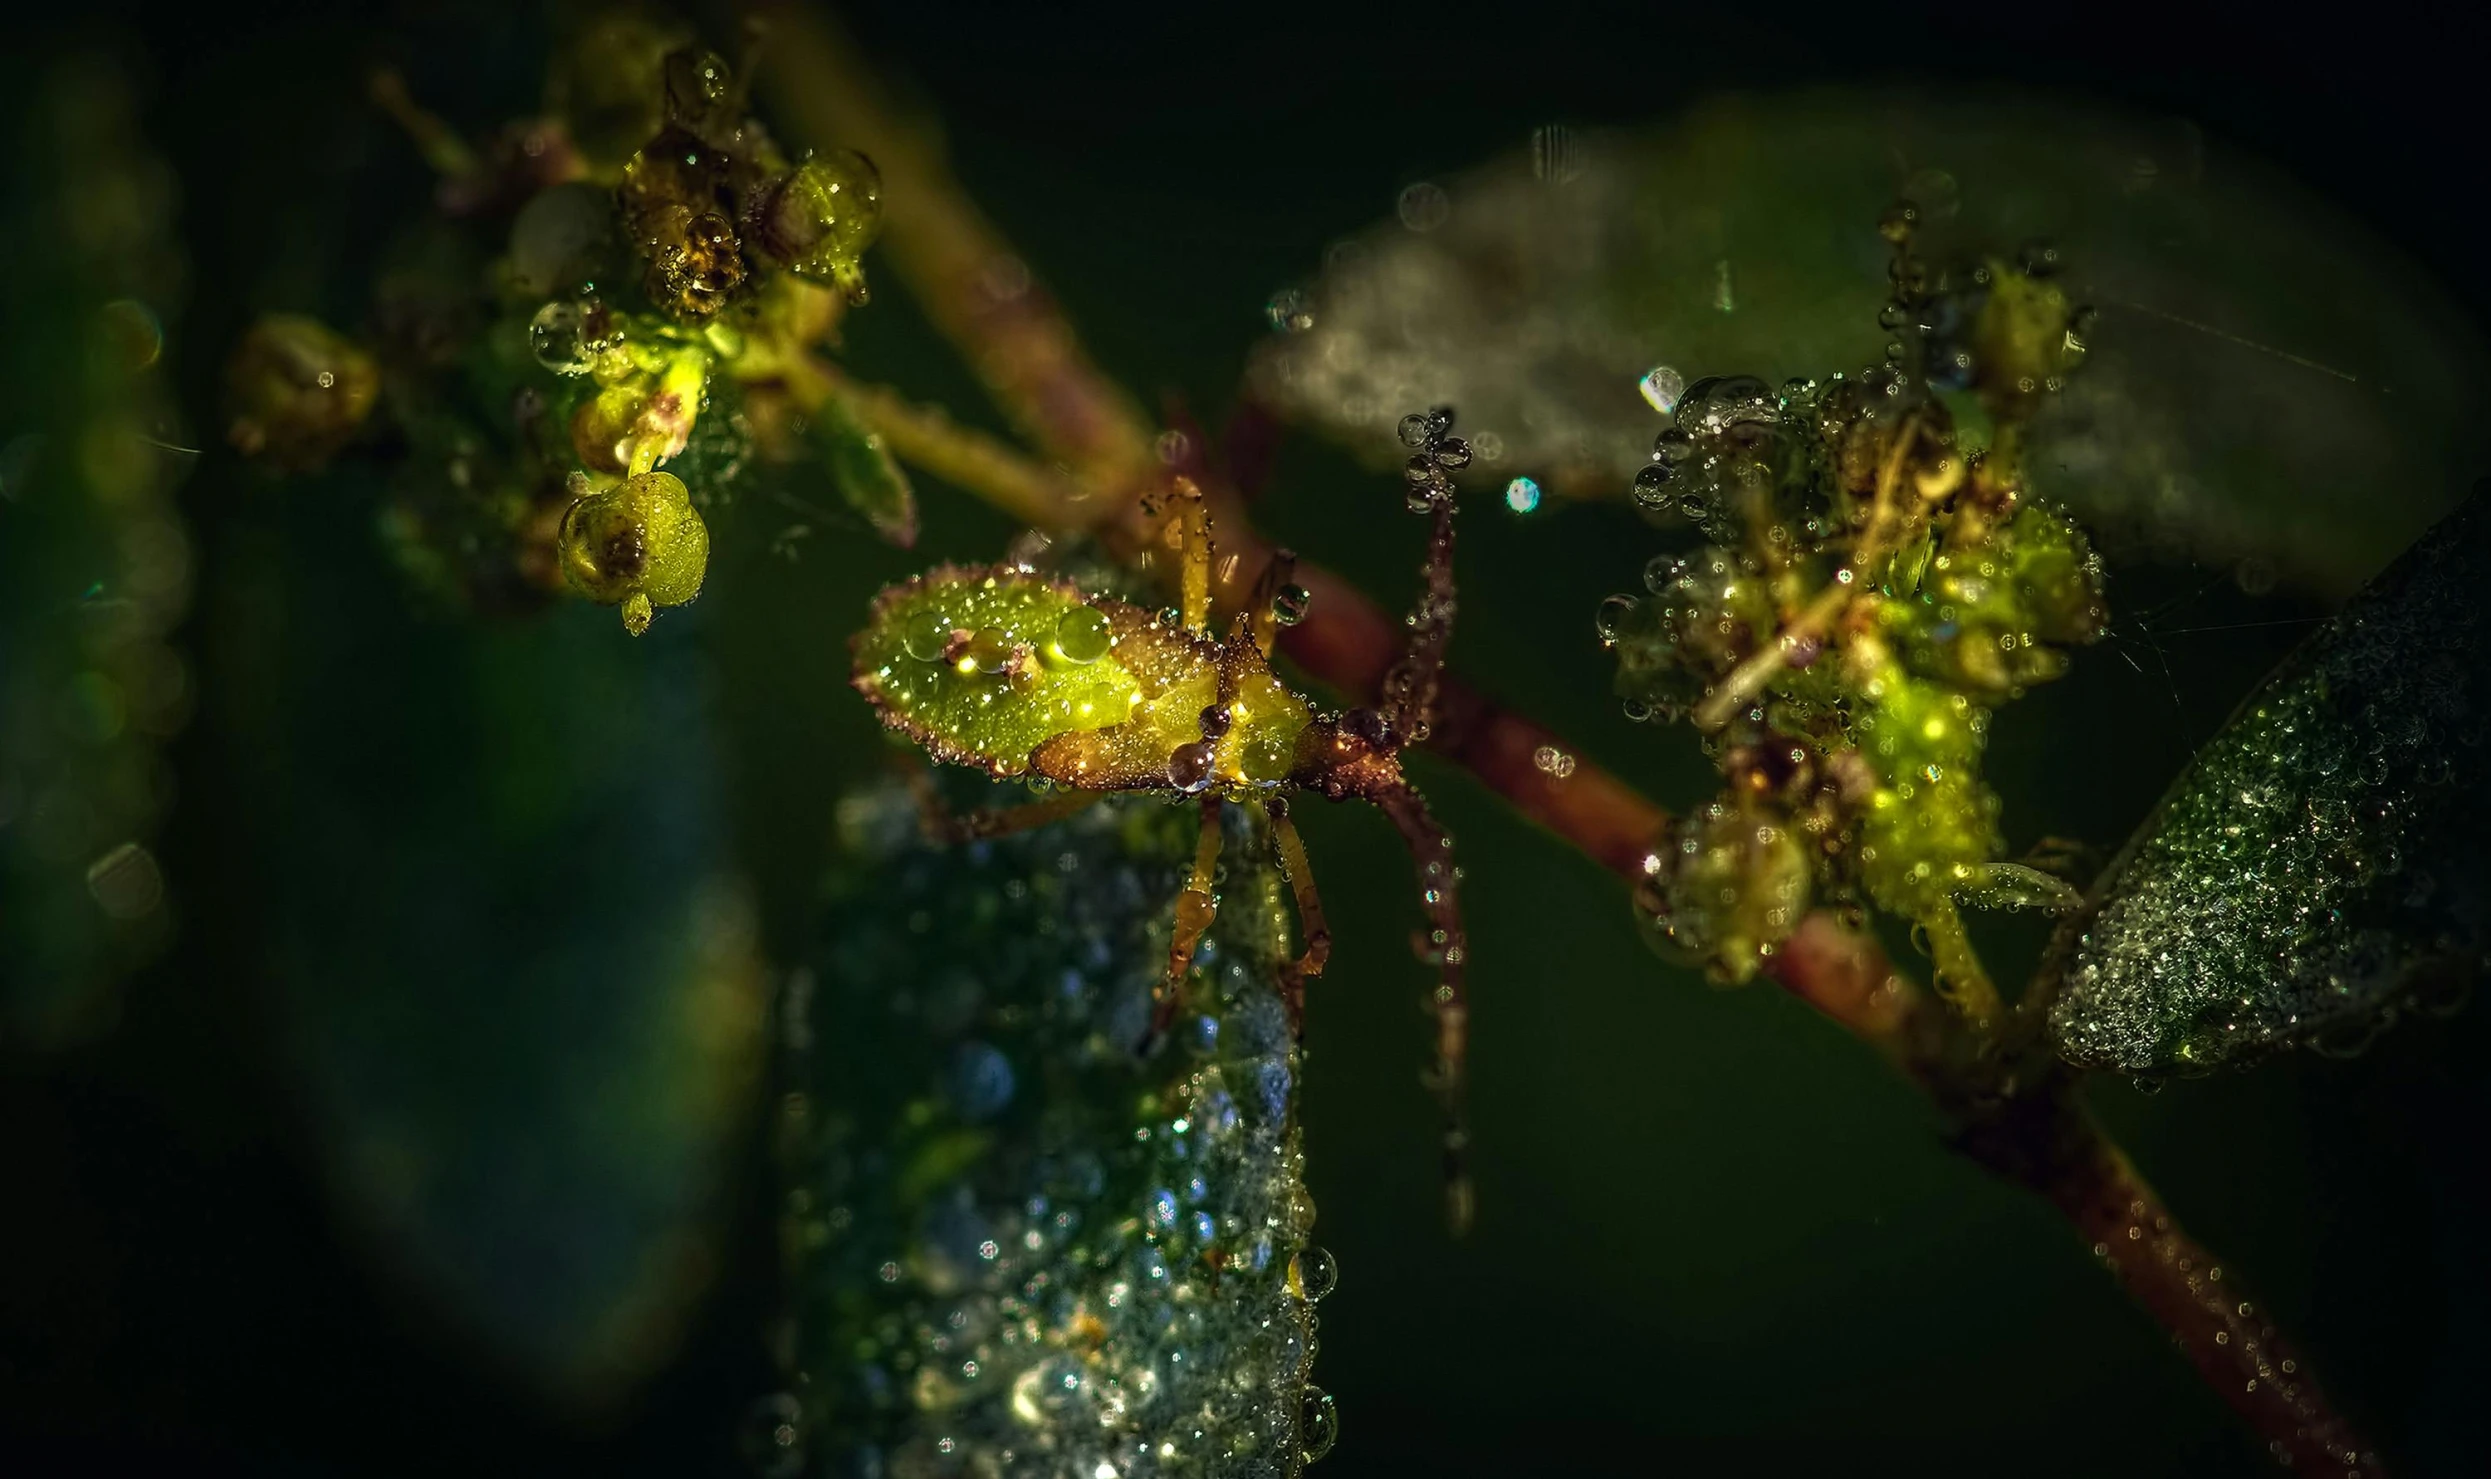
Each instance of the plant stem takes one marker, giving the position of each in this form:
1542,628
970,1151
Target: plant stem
2025,1127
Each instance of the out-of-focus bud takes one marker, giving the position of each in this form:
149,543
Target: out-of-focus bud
297,391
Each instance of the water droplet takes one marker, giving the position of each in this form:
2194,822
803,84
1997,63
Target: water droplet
1081,635
1318,1273
1416,430
1189,767
1318,1423
925,636
1290,604
1611,618
558,336
1652,487
1522,495
1661,387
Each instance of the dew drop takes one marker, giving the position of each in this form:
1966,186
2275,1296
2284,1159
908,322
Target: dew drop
1611,617
1318,1273
925,636
1661,387
1290,604
1318,1423
1522,495
1081,635
1189,767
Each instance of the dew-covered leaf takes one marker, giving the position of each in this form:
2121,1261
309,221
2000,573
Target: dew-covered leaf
1027,1240
2320,866
514,969
865,473
2255,353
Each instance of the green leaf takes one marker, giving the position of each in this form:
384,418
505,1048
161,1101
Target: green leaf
2322,860
1020,1225
865,473
512,960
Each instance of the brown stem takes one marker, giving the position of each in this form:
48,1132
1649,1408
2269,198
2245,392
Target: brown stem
2033,1132
2188,1290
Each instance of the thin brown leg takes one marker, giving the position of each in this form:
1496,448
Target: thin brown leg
1408,698
1195,908
1445,945
946,827
1311,927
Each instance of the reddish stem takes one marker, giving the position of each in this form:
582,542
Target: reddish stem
2189,1292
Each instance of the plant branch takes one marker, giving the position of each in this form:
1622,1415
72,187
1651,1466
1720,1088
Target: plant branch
2013,1108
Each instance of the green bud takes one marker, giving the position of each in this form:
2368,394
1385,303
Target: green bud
639,545
820,219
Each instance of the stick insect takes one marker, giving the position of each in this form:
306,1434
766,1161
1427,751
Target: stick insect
1022,674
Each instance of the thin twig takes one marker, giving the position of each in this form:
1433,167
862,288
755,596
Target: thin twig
2027,1127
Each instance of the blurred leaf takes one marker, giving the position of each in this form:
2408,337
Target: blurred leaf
516,970
1020,1232
865,473
2322,860
95,559
2257,356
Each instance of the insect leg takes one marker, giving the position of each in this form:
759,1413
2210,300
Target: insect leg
1408,700
1195,908
945,826
1311,927
1194,557
1445,945
1266,613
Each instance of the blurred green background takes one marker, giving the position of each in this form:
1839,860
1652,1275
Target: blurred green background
1714,1234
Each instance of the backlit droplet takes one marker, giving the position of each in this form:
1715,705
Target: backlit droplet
1080,635
1318,1273
1522,495
1661,387
1319,1424
1189,767
926,634
1290,604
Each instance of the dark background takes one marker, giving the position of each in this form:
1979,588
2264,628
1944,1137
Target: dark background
1715,1235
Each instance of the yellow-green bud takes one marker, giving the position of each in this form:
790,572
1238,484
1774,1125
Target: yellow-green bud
638,545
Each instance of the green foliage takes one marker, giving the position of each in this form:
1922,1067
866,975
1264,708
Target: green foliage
2320,865
1029,1237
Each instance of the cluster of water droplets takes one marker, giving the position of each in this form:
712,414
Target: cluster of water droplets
2319,867
1030,1237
